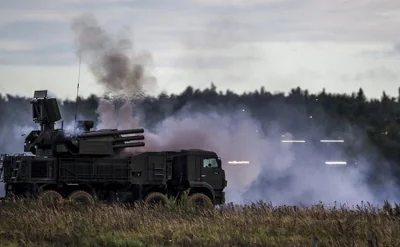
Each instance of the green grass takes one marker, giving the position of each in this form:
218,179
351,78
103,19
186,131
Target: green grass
30,223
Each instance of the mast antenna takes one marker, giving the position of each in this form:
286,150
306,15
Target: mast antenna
77,89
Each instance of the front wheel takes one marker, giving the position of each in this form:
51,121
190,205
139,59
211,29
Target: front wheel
200,200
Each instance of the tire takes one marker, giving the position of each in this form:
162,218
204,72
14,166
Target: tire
156,198
81,197
50,197
200,200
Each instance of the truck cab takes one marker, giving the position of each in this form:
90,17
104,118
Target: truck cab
206,175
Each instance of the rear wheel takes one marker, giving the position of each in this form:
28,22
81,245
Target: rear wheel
81,197
200,200
50,197
156,198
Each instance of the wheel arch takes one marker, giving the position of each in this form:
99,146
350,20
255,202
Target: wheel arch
202,187
154,188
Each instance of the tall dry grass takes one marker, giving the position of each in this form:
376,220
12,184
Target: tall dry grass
30,223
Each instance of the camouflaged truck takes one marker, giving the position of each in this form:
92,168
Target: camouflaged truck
89,165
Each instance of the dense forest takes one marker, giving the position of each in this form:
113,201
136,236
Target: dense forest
369,127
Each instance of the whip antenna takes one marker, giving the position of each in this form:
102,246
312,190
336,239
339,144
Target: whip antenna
77,89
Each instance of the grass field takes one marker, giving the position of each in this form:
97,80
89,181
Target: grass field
28,223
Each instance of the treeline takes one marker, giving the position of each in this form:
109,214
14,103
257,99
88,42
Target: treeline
299,112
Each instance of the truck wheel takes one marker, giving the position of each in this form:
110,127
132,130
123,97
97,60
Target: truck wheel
201,200
156,198
81,196
50,197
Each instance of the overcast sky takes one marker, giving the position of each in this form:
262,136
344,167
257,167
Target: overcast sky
241,45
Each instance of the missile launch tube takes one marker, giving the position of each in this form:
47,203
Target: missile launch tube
112,133
129,145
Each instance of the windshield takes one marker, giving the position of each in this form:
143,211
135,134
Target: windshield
210,162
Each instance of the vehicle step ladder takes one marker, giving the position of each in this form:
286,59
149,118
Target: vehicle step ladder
15,172
1,167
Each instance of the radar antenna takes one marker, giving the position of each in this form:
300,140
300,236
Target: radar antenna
77,90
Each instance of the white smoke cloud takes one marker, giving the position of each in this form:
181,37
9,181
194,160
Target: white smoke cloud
236,138
281,173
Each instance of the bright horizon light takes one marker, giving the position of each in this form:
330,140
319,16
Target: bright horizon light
293,141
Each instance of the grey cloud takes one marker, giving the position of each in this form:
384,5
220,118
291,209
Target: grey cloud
15,45
392,51
63,11
48,42
214,47
39,31
396,49
376,75
46,27
47,22
8,16
37,58
240,3
322,20
273,20
48,4
199,61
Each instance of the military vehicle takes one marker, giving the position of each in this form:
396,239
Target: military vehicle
89,165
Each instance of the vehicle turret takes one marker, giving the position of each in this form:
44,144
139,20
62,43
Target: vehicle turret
49,141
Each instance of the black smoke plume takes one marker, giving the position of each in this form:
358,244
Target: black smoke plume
122,73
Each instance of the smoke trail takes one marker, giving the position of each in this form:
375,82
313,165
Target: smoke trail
106,111
125,116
